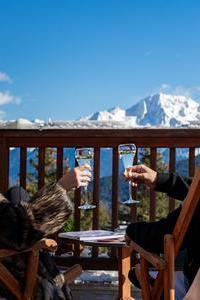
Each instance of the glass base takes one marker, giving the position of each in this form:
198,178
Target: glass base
87,206
130,202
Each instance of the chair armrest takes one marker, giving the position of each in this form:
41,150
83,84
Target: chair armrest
152,258
8,252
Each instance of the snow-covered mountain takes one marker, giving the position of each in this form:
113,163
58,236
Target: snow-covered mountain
159,110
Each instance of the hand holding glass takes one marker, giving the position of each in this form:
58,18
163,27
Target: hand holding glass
85,156
127,153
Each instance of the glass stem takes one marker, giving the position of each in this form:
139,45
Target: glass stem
85,194
130,189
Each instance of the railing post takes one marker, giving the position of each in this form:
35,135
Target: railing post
152,213
172,166
133,212
41,166
23,155
4,165
191,161
95,220
115,188
59,162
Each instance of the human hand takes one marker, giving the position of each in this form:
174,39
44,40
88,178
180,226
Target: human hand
48,244
79,176
141,173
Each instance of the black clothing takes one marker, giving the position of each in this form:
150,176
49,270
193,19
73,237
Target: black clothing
151,235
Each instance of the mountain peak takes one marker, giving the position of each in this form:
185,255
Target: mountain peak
165,110
115,114
157,110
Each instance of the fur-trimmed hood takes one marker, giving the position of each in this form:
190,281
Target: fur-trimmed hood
22,225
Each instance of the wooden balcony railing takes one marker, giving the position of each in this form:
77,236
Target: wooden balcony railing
98,138
60,139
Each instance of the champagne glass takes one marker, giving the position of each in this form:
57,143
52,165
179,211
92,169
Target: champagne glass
126,154
85,156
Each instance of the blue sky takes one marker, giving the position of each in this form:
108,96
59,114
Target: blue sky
67,58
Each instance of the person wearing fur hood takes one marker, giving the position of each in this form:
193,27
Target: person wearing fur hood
25,221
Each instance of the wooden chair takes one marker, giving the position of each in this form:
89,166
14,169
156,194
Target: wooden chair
11,283
165,280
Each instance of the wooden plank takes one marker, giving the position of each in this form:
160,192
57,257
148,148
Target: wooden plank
191,134
115,188
96,175
187,211
95,224
152,212
7,252
146,295
10,282
191,161
41,167
158,286
153,259
172,166
138,273
59,163
133,208
23,156
169,272
124,267
4,165
77,214
31,273
77,203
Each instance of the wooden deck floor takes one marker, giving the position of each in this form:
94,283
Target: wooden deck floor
98,292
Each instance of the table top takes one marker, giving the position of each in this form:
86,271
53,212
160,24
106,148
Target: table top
98,238
106,243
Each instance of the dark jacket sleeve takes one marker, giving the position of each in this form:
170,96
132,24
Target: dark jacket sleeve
173,184
150,235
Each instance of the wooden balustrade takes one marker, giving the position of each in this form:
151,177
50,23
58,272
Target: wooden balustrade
97,138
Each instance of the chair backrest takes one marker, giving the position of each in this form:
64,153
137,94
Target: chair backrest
11,283
165,266
187,212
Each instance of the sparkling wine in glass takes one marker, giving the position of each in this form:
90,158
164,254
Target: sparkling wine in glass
85,156
126,154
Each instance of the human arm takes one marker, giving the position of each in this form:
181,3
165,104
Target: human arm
27,222
51,206
79,176
173,184
150,235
